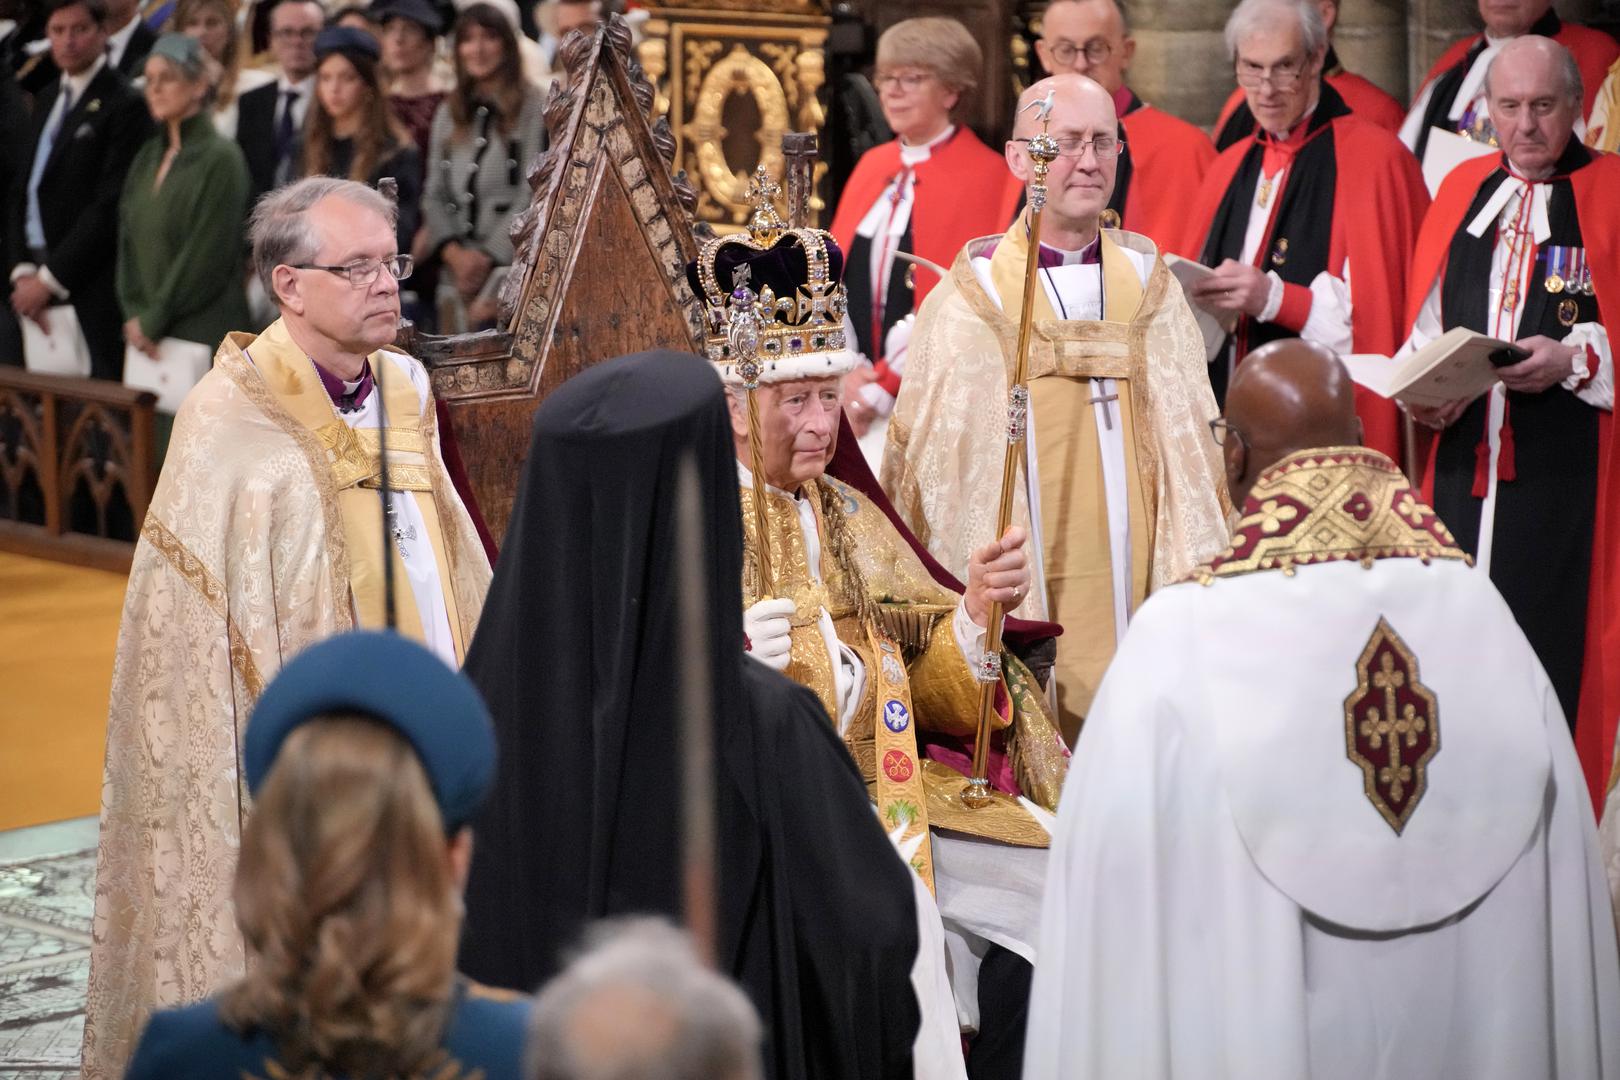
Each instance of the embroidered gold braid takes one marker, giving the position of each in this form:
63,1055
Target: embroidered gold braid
240,370
1334,504
195,574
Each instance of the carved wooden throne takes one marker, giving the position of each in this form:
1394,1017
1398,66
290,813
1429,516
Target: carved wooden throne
599,267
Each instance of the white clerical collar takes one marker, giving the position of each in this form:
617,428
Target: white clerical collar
76,84
916,155
1473,81
118,41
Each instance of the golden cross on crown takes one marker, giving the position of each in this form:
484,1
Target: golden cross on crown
766,224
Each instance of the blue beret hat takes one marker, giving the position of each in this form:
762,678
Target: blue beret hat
348,40
396,682
419,12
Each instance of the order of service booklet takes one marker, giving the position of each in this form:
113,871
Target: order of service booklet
1459,365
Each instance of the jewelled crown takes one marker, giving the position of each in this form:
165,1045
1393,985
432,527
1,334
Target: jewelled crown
774,299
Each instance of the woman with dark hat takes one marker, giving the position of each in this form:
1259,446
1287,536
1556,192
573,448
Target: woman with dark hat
410,32
367,758
351,132
485,134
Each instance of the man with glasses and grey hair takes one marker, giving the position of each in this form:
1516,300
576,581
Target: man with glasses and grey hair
267,532
1164,158
1309,221
637,1004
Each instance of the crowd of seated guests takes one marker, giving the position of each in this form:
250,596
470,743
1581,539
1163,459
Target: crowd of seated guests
127,170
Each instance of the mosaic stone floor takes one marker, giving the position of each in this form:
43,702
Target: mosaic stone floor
47,882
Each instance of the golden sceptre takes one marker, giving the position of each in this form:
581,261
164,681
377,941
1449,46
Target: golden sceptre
1043,150
766,227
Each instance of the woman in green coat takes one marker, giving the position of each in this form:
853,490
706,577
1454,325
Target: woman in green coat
180,247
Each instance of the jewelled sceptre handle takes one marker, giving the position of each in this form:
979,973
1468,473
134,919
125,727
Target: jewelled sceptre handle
1043,150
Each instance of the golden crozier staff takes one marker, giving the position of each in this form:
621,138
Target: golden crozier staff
1043,150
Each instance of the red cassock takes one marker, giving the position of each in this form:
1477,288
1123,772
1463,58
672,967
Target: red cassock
1169,158
1593,50
1367,195
963,191
1598,209
1365,98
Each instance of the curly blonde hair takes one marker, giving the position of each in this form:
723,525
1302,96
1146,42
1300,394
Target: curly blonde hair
346,897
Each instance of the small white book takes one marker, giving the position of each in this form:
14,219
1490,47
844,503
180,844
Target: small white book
62,351
178,367
1459,365
1447,150
1214,327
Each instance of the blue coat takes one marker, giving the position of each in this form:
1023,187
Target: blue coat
485,1038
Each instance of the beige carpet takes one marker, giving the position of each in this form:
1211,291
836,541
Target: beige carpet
58,629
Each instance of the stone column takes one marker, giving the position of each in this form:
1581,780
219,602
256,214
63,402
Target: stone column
1181,63
1371,41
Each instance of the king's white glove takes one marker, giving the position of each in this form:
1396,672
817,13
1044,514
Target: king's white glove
770,632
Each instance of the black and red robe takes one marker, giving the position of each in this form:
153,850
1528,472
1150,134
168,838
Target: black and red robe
1555,549
1353,198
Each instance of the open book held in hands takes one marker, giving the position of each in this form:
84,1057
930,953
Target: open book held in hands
1459,365
1213,326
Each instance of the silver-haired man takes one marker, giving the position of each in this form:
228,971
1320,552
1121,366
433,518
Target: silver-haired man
266,533
638,1005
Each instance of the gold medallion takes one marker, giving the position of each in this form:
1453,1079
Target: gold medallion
1109,219
1279,253
1567,311
1510,296
1554,283
1265,190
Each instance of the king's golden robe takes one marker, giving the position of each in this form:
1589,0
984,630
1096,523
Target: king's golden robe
876,589
947,438
263,530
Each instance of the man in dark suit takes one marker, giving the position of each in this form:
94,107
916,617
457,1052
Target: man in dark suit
129,39
270,117
62,225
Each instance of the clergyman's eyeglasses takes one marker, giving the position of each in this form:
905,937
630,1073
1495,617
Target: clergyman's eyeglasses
363,272
1073,146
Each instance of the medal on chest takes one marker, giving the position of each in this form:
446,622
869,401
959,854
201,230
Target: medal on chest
1266,184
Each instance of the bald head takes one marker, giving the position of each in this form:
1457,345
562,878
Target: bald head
1285,397
1077,101
1086,37
1533,90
